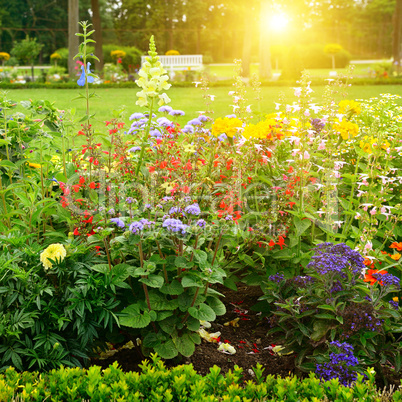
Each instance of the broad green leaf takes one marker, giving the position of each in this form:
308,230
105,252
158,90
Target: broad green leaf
174,288
153,281
301,226
168,324
184,345
166,350
134,318
202,312
216,305
158,302
194,325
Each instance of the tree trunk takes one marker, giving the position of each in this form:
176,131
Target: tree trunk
396,36
96,21
73,15
265,54
247,42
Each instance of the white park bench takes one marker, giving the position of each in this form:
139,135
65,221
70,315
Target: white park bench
179,62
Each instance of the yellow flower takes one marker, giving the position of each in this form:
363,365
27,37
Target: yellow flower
55,56
396,256
349,106
34,165
228,126
346,129
118,54
270,129
55,252
4,56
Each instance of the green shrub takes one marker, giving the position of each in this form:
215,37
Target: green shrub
181,383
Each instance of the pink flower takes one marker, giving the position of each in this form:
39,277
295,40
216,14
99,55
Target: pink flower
298,91
373,211
322,145
306,155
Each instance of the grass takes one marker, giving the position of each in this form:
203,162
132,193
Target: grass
188,99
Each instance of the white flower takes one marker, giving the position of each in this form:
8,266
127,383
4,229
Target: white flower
227,348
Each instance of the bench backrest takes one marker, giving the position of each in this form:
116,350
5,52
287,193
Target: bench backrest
185,60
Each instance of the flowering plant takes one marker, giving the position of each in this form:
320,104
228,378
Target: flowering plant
332,302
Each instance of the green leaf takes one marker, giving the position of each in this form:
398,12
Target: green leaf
320,328
134,318
184,345
202,312
216,305
325,316
193,324
153,281
174,288
182,262
158,302
102,268
166,350
301,225
168,324
191,280
230,283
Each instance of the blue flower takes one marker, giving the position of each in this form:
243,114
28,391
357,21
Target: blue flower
134,149
176,112
118,222
136,116
193,209
81,80
165,108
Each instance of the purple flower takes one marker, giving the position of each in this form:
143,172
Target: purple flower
231,116
176,112
203,118
193,209
155,133
147,206
394,304
195,122
120,224
222,137
164,122
187,129
276,278
129,200
175,210
201,223
111,211
136,227
175,225
387,280
136,116
134,149
165,108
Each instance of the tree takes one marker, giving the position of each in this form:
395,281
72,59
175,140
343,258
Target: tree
396,36
73,17
96,21
27,51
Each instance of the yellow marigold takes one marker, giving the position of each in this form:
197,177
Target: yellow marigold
55,56
34,165
368,144
4,56
396,256
268,129
172,53
349,106
346,129
55,252
118,54
228,126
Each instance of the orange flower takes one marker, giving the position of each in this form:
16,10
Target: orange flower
368,262
396,256
368,277
396,245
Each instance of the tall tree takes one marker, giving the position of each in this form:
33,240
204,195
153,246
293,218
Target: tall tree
396,36
96,21
73,16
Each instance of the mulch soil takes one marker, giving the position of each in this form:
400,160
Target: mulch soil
247,332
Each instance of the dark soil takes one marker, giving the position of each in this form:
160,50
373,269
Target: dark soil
248,336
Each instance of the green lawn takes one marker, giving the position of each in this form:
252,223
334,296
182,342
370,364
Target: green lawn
188,99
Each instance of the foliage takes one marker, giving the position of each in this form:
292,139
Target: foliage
54,316
330,302
181,382
27,50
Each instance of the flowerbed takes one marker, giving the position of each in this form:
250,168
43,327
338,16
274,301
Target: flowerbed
130,233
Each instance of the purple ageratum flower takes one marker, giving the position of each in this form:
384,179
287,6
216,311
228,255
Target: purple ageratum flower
111,211
231,116
136,227
147,115
176,112
193,209
167,198
129,200
134,149
155,134
222,137
120,224
175,210
165,108
317,124
203,118
229,218
136,116
147,206
147,223
187,129
81,80
195,122
175,225
164,122
201,223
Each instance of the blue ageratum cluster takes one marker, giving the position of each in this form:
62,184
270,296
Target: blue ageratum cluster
336,258
342,364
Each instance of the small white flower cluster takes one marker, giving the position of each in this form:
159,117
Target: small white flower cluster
153,79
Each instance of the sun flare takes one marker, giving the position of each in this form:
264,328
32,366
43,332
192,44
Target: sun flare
278,22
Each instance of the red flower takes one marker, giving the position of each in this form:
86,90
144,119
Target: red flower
76,232
281,242
76,187
92,185
81,133
82,180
